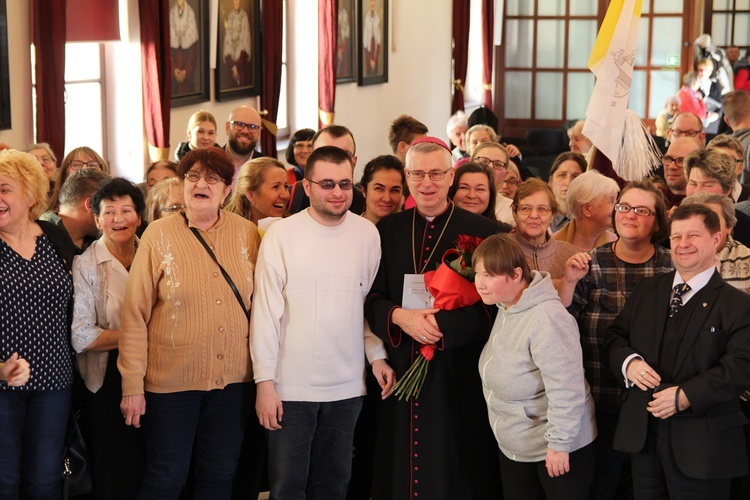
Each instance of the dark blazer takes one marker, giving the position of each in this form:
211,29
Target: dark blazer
713,369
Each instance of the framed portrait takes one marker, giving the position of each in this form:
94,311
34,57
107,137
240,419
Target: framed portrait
373,41
346,50
188,43
238,61
4,72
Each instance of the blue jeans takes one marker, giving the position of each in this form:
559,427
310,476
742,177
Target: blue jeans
310,457
32,436
209,423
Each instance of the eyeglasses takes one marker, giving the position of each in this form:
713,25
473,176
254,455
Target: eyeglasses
172,208
509,182
78,164
668,160
643,211
46,159
542,210
685,133
434,175
328,184
496,164
210,177
238,126
303,145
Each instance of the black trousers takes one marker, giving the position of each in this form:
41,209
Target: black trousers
530,481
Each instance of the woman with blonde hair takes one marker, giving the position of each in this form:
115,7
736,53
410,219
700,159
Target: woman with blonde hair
201,133
36,293
261,190
163,199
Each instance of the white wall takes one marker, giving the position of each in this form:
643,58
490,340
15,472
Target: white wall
418,79
19,56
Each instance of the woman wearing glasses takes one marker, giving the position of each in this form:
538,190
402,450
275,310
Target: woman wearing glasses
184,349
595,288
297,153
495,156
164,198
78,158
533,208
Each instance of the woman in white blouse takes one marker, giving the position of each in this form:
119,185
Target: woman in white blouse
100,276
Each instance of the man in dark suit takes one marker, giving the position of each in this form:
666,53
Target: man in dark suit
682,347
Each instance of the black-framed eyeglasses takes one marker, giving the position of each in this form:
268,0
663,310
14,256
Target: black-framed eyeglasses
172,208
434,175
685,133
542,210
78,164
329,185
496,164
668,160
238,125
642,211
209,177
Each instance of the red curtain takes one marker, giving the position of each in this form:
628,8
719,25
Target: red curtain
328,28
157,88
460,51
488,33
272,20
48,32
93,20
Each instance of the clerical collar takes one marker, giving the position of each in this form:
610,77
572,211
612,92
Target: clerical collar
448,207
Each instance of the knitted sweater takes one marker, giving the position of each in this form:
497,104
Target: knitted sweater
735,264
308,310
550,256
532,376
182,328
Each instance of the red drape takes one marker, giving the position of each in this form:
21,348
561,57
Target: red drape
48,32
93,20
157,85
272,20
488,49
327,40
460,51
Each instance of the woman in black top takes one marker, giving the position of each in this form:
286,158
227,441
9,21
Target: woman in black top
35,303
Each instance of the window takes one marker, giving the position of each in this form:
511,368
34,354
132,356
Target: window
84,97
543,75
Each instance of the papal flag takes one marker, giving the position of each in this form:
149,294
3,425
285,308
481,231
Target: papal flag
612,61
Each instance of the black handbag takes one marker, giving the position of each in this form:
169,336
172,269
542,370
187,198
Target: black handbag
76,467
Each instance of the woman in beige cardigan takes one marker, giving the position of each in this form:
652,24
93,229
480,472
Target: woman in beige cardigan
184,350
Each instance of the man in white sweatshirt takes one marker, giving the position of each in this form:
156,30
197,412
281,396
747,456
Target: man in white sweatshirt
307,339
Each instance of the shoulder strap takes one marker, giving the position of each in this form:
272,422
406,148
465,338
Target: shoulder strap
221,268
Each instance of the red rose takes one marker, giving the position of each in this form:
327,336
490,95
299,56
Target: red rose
428,351
467,243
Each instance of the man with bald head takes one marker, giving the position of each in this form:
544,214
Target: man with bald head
243,130
673,162
687,124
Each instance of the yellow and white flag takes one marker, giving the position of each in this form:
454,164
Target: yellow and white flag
612,61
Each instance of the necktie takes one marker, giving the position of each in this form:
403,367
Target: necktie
676,303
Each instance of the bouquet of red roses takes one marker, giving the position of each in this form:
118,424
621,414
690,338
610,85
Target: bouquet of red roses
452,286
